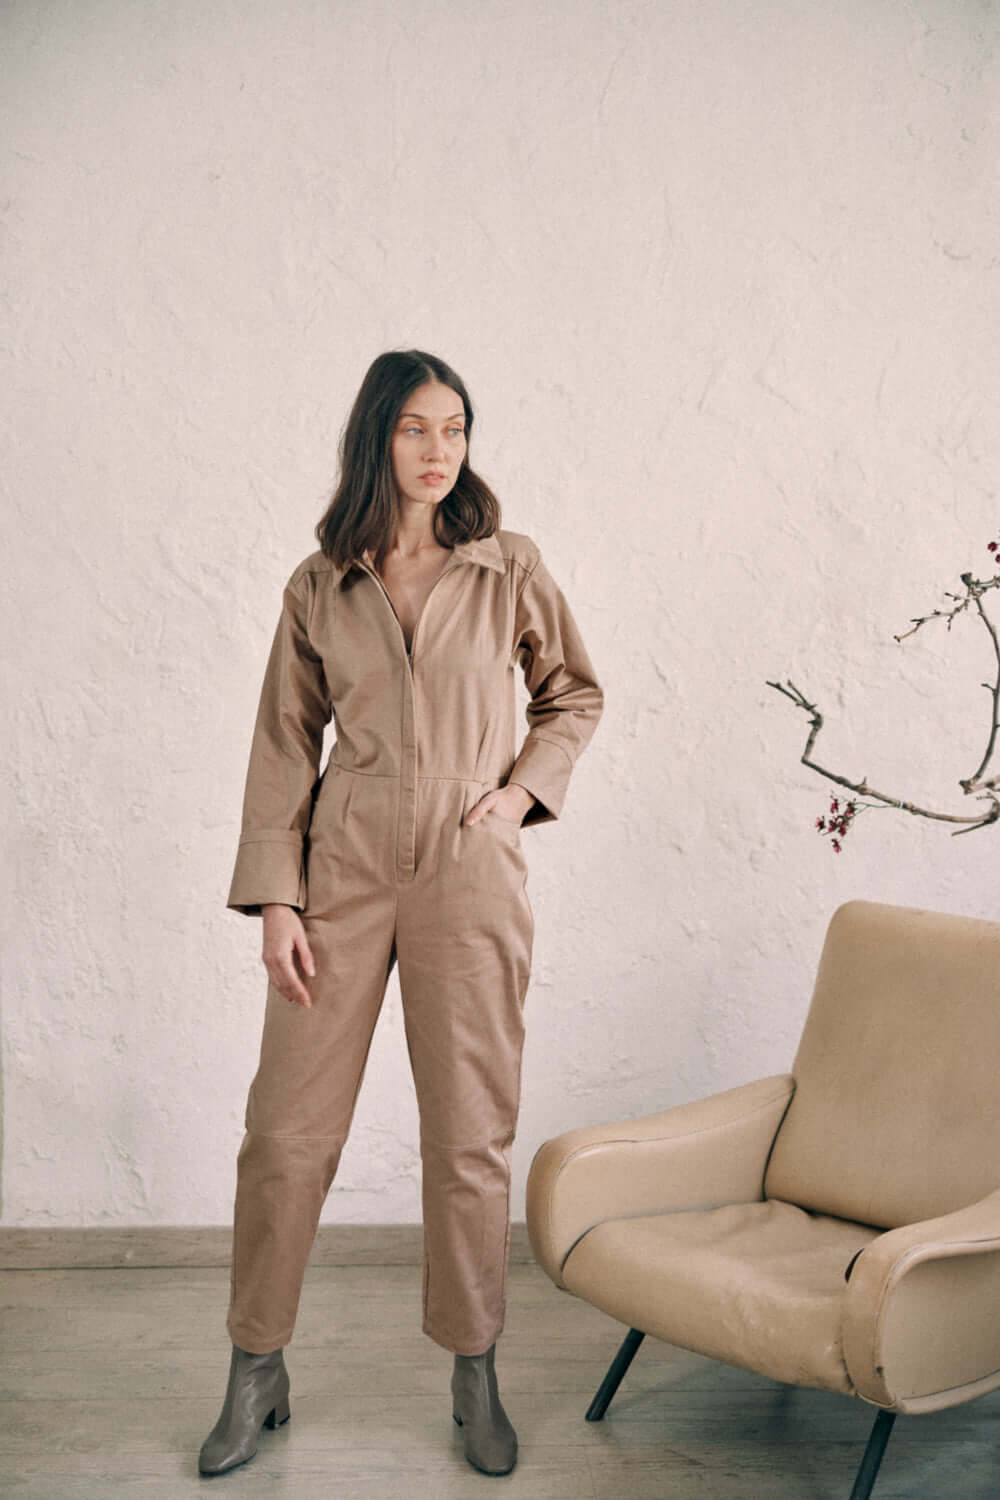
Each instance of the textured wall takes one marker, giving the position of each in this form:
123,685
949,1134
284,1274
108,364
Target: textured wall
723,280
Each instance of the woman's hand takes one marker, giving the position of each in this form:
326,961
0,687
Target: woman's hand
284,936
510,802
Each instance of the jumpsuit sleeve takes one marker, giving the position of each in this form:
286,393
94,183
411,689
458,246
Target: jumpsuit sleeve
566,698
283,771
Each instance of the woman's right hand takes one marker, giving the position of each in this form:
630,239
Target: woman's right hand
284,936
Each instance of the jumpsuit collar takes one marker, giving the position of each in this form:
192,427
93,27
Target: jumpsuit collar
483,550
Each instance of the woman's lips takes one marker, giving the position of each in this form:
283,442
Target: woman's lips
432,478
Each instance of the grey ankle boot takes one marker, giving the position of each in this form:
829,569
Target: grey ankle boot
257,1395
490,1440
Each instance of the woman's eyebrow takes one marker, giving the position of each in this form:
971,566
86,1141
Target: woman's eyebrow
426,419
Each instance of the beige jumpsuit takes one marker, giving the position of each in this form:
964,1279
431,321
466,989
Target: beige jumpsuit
377,856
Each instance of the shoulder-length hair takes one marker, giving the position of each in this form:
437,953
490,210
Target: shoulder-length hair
363,511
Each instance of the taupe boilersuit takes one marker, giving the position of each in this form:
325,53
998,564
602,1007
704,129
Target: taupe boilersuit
376,855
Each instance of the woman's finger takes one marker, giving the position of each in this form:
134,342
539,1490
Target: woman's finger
483,806
293,988
305,953
281,969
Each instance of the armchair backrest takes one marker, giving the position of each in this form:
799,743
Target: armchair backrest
896,1111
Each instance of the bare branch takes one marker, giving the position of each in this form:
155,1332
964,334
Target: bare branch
862,787
989,791
994,689
974,587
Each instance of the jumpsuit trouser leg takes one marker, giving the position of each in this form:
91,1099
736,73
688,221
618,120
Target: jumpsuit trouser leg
457,920
298,1116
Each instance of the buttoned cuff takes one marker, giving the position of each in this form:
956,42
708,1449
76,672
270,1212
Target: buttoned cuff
269,868
543,768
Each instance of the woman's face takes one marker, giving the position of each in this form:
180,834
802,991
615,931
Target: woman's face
429,444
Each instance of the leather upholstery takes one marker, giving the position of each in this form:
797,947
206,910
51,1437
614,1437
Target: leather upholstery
698,1155
729,1225
755,1284
896,1115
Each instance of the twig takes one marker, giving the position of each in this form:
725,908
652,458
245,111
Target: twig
862,787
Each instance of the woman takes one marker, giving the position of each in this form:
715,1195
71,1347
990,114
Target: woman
404,629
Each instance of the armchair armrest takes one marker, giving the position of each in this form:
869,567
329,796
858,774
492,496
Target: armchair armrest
699,1155
920,1315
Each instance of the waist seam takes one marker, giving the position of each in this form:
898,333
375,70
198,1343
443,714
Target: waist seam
421,776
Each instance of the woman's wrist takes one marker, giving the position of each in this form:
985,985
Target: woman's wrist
528,798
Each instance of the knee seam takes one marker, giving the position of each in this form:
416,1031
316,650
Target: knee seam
504,1139
278,1135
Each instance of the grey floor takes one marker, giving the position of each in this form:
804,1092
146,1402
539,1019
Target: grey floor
112,1378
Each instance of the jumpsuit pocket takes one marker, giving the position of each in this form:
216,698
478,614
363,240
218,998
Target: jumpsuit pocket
504,827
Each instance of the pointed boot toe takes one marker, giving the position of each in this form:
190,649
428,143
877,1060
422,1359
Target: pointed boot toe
256,1397
489,1438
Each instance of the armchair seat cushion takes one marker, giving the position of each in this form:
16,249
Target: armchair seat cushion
758,1285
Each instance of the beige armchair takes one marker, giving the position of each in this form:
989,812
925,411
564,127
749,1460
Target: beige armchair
838,1226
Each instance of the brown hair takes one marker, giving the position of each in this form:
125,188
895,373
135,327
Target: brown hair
364,508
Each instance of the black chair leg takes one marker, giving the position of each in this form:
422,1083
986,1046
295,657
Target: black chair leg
868,1471
613,1379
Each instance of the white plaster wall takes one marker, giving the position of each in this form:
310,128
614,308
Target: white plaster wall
723,280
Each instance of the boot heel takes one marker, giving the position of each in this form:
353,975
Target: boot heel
278,1415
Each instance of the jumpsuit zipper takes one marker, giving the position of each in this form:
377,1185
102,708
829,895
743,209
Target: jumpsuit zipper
412,648
406,824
